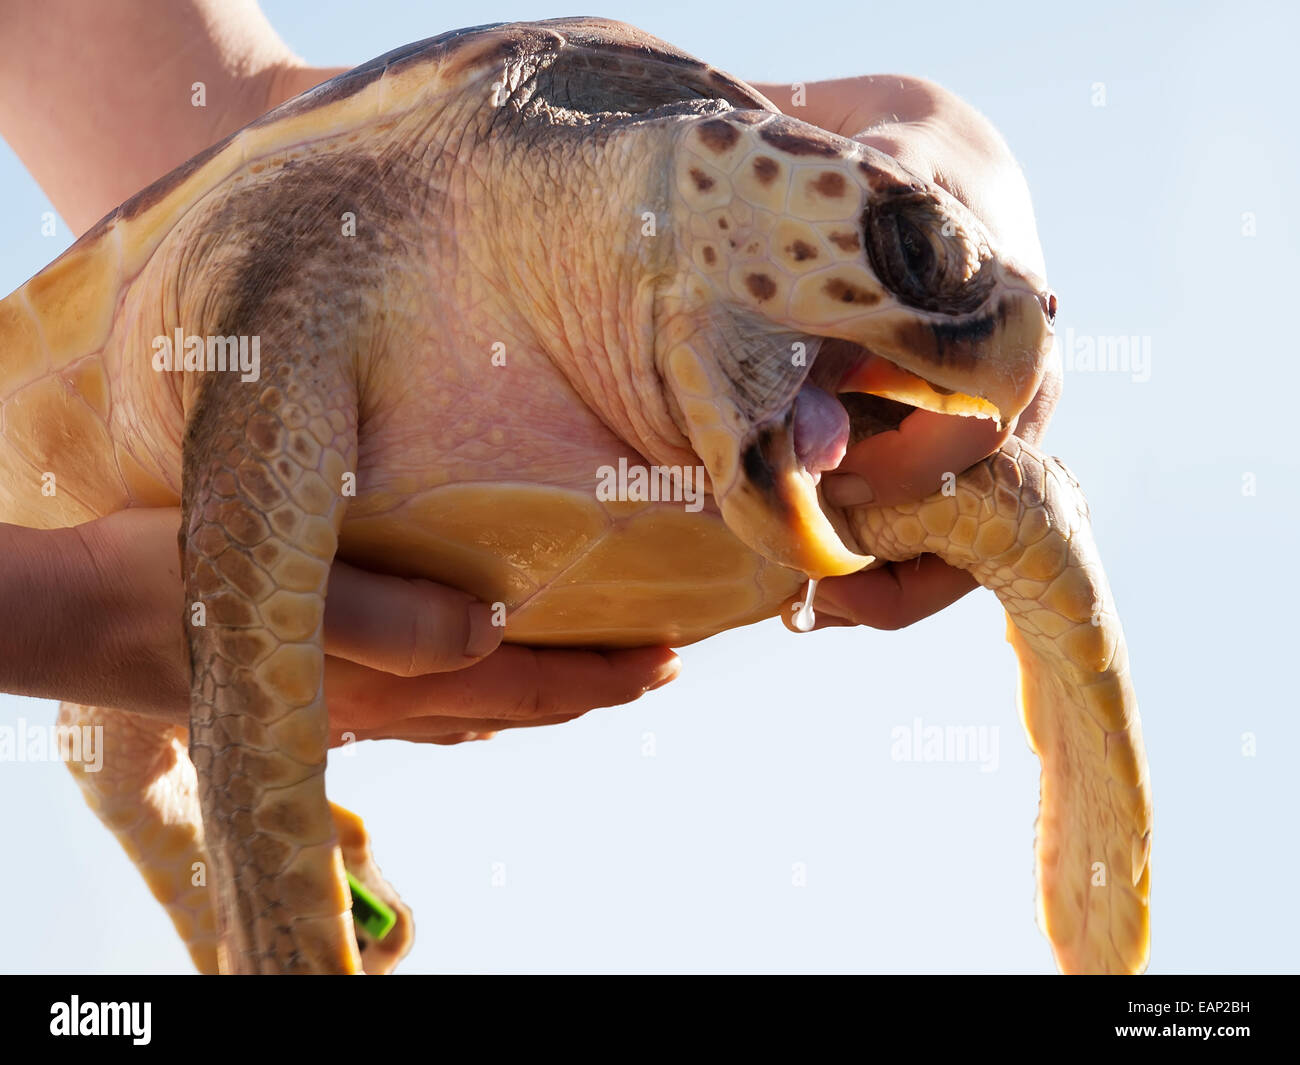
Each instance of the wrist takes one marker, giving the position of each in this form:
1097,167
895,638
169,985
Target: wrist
132,611
92,614
47,586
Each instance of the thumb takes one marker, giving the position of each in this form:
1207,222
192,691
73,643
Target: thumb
908,463
407,627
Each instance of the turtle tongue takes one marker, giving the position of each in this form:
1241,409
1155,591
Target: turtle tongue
821,429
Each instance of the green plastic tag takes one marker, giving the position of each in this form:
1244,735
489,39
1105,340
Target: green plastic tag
369,911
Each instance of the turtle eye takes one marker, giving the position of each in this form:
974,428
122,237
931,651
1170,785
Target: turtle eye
918,257
923,256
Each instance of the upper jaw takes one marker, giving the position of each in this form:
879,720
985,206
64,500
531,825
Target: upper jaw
993,358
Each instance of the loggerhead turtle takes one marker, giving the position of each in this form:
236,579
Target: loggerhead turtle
476,272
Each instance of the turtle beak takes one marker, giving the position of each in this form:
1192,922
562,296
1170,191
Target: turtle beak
959,319
989,363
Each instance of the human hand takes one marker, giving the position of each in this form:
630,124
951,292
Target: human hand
945,141
102,605
414,660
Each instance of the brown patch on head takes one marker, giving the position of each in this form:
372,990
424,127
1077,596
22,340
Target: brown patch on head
844,292
723,224
766,169
880,179
945,344
710,256
967,332
717,135
801,250
799,139
702,180
760,286
845,241
830,184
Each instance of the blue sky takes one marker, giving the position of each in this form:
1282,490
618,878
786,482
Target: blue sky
774,749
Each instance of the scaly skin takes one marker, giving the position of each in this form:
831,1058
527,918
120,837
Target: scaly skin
262,510
493,214
1019,524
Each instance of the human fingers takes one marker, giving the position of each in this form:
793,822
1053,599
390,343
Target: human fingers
909,463
512,684
444,731
892,596
405,627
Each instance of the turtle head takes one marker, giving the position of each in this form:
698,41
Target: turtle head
808,267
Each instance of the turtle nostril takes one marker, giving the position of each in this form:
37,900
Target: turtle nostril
1048,300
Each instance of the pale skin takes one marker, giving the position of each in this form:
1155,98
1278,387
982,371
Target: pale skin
405,659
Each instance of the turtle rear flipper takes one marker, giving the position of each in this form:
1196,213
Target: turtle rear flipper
381,952
144,791
1019,523
141,785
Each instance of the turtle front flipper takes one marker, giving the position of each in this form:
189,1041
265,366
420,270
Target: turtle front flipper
1019,524
263,474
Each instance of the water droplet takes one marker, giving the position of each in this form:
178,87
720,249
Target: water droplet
805,619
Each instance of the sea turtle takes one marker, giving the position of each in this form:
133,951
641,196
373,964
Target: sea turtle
460,286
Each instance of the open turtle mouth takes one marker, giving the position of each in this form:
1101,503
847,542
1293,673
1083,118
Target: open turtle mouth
766,473
767,435
852,393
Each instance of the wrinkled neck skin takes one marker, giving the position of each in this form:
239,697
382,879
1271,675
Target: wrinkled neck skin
579,237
